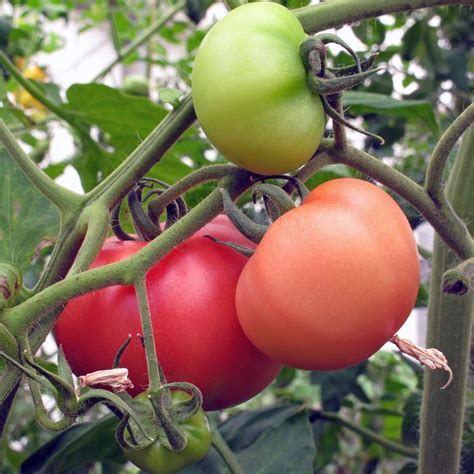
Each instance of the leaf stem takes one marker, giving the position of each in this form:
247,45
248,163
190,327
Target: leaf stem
369,434
140,40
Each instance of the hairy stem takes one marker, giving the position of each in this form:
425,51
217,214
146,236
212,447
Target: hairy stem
449,330
148,153
152,363
334,13
437,163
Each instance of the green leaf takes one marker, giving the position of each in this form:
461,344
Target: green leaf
26,217
169,95
265,441
81,444
127,119
337,384
419,111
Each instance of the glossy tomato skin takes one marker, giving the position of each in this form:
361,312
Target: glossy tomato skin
332,280
156,459
192,301
250,93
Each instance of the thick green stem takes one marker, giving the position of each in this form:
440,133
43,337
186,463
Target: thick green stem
335,13
148,153
437,163
140,40
58,195
369,434
449,330
22,317
152,363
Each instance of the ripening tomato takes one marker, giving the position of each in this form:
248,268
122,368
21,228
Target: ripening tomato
332,280
192,302
250,92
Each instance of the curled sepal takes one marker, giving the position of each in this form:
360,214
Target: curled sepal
327,38
184,409
340,119
121,350
10,284
169,434
293,184
243,223
333,85
117,406
64,369
432,358
144,226
353,68
276,200
313,54
245,251
459,280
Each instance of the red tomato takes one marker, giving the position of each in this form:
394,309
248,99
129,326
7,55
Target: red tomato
192,301
332,280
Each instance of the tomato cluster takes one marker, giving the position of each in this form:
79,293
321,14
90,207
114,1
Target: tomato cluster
192,301
329,284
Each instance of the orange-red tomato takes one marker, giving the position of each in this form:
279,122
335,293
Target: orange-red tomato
332,280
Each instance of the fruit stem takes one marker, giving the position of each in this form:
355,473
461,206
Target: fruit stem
153,365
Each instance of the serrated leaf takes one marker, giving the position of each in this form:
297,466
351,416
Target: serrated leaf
79,445
26,217
419,111
127,119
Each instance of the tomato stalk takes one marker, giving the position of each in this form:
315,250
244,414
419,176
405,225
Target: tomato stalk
449,329
325,15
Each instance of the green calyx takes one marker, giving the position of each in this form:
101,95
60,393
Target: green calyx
330,83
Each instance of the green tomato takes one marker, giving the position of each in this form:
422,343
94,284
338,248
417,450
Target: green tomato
156,459
136,85
250,92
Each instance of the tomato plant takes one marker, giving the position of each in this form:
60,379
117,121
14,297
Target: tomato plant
250,93
157,459
198,336
332,280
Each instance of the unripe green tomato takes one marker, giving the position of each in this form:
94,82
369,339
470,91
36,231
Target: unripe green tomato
250,92
156,459
136,85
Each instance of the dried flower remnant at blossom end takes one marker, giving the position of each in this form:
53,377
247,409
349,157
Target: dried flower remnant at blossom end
432,358
115,378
